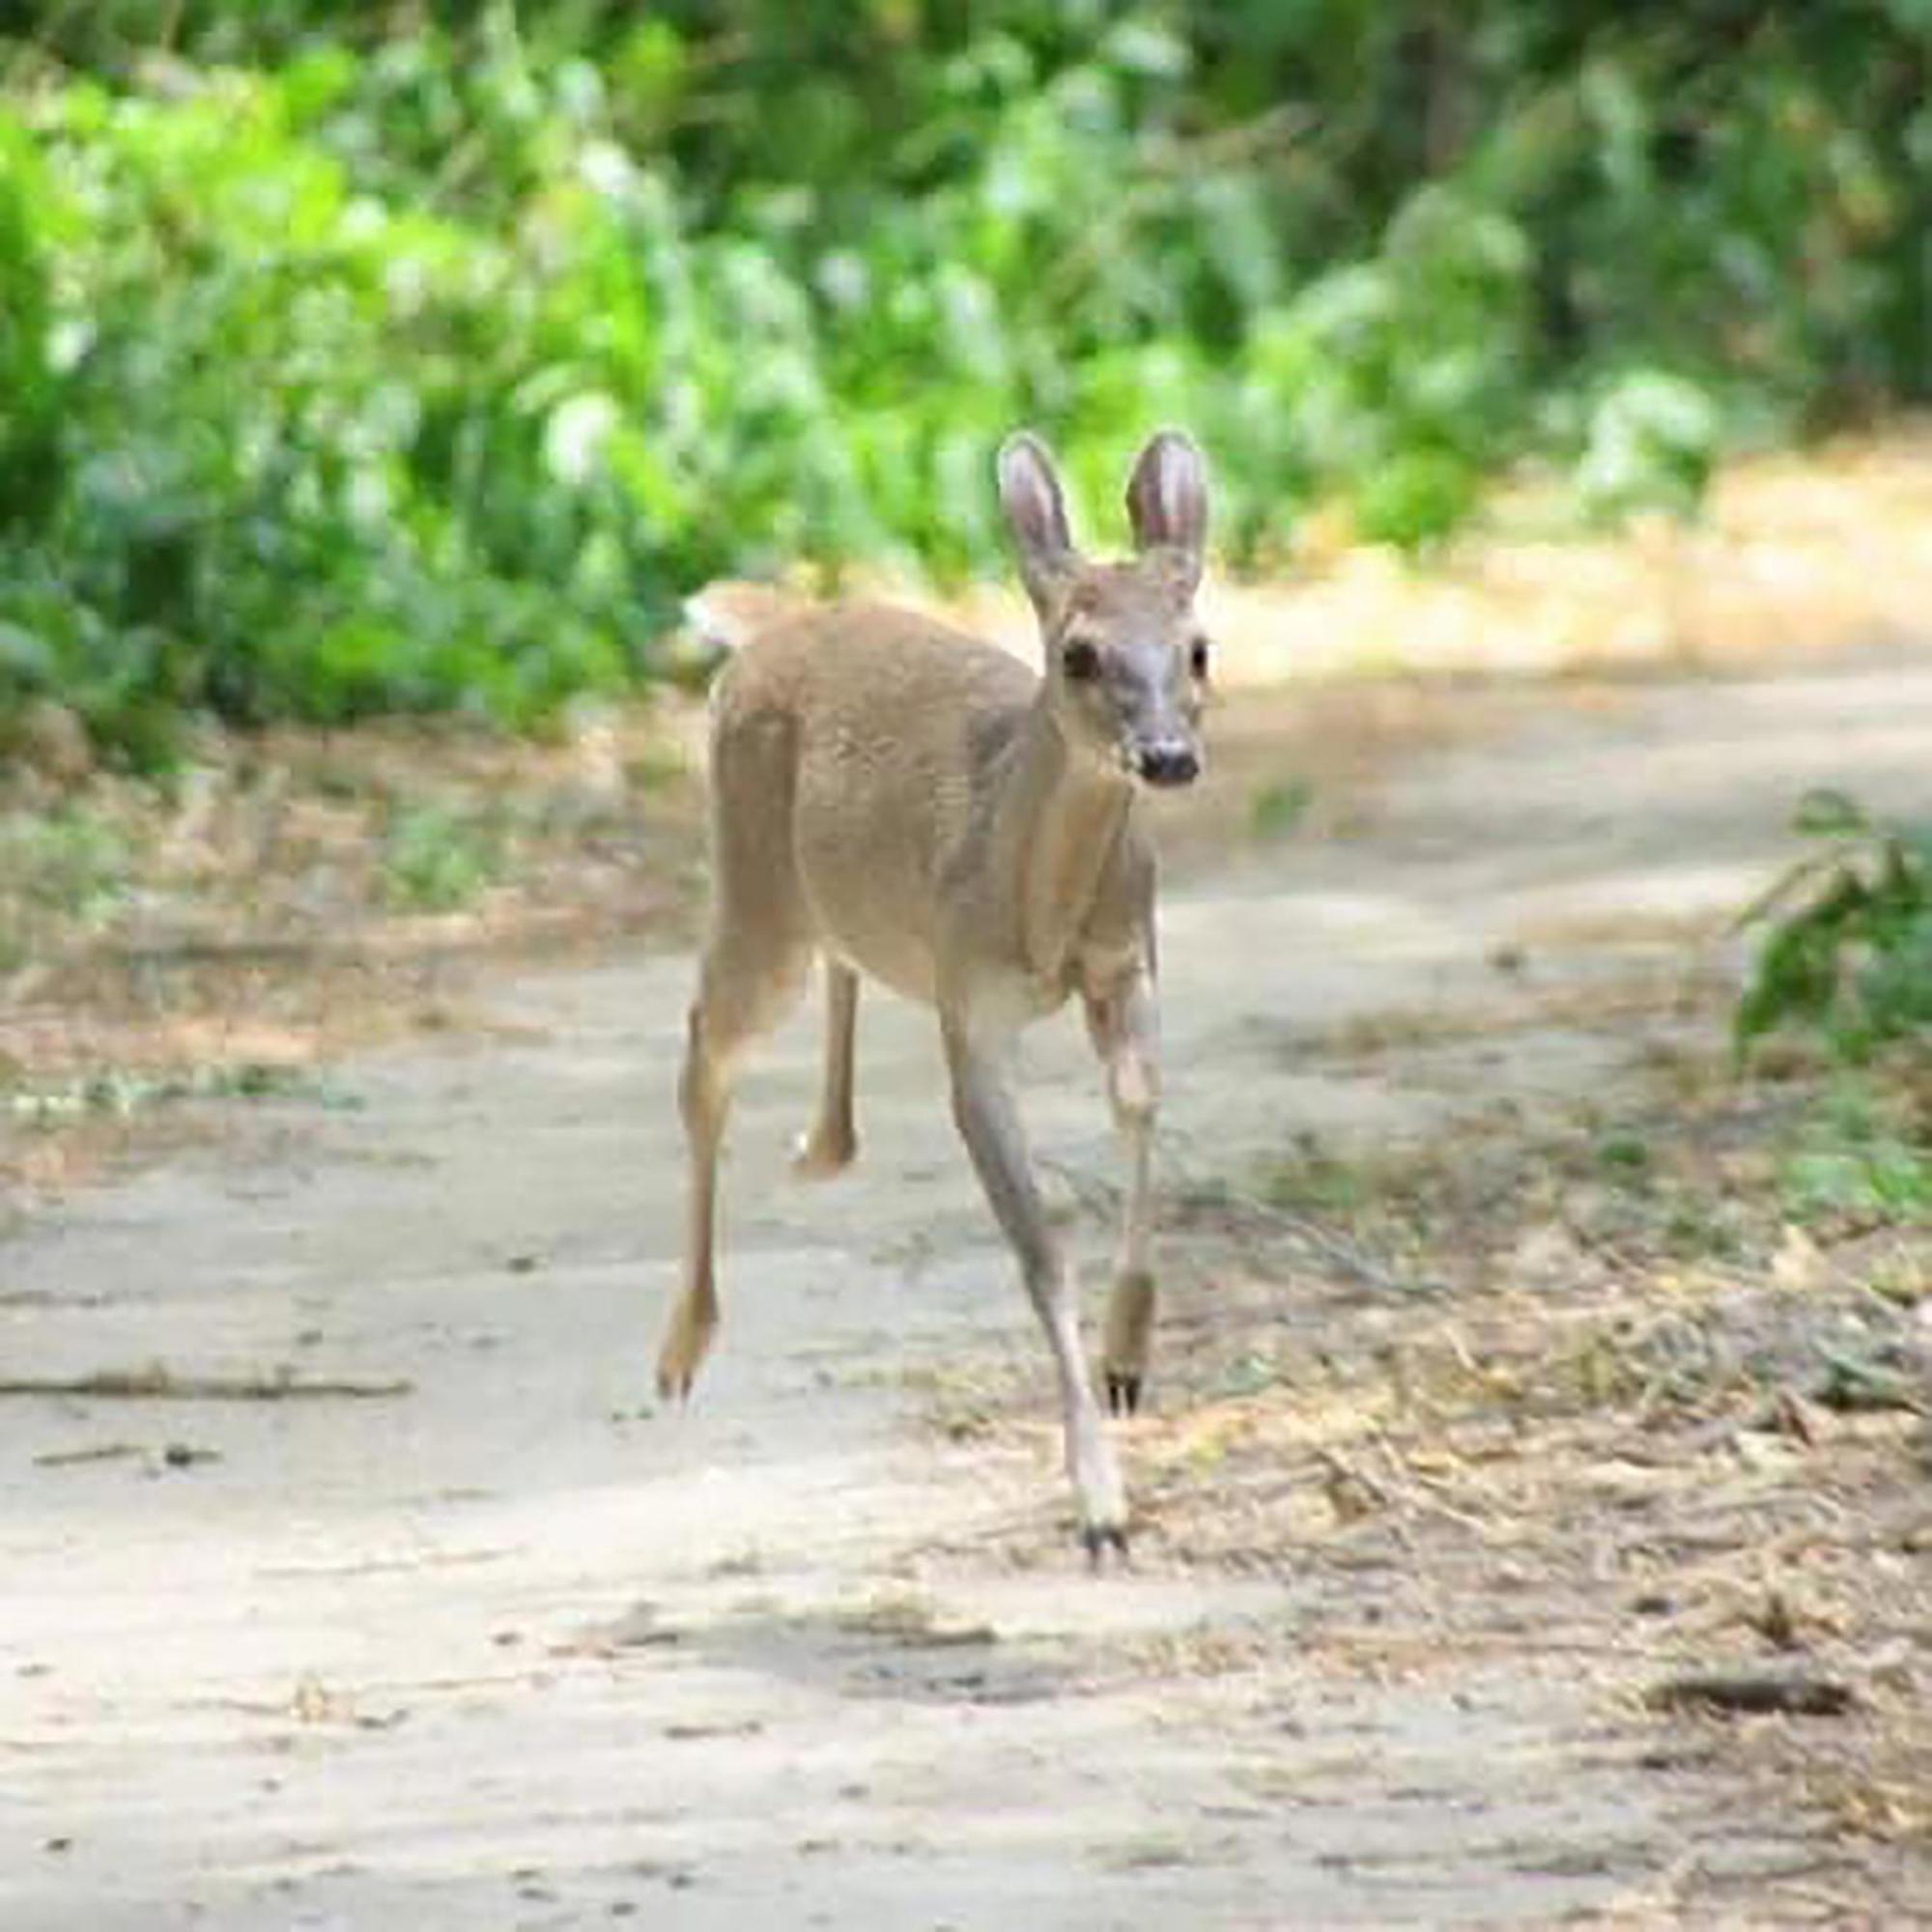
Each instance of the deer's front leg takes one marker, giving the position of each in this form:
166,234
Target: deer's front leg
982,1105
1124,1025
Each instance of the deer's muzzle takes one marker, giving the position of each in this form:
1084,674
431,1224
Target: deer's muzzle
1170,764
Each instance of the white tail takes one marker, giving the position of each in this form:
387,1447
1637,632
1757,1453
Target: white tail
906,802
730,612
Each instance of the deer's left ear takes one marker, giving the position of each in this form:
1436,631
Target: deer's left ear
1167,501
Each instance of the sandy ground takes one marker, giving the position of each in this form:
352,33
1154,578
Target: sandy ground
513,1647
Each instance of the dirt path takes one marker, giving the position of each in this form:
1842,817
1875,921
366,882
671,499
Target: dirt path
511,1648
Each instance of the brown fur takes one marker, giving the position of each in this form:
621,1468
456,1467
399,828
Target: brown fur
910,804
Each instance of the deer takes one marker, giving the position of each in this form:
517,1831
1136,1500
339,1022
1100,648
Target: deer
916,806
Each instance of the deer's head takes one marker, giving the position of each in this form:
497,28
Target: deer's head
1126,659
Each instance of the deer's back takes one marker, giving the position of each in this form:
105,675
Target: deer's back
889,728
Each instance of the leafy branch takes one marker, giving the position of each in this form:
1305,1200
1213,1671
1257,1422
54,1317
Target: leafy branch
1847,951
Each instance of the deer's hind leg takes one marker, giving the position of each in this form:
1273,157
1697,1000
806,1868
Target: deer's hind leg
753,969
833,1140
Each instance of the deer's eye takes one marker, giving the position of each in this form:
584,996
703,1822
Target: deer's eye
1081,660
1197,658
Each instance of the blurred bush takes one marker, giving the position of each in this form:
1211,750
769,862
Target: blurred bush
1846,950
375,360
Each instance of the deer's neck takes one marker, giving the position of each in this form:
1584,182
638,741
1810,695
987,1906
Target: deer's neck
1061,818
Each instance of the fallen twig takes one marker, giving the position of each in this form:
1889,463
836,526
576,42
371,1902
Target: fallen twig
1753,1691
103,1452
1343,1255
1098,1195
1849,1383
156,1383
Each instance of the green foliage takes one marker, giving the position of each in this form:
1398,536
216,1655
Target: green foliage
122,1091
438,860
1278,808
1650,439
69,862
1888,1182
359,360
1860,1161
1848,935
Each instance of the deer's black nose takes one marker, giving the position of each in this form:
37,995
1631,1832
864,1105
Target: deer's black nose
1169,765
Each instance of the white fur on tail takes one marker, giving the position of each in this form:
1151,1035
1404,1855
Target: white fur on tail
728,614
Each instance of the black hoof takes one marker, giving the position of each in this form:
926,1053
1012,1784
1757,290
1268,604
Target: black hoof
1098,1538
1123,1394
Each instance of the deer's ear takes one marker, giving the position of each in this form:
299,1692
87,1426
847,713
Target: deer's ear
1036,509
1167,500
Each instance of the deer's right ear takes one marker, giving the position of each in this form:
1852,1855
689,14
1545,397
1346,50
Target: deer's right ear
1036,510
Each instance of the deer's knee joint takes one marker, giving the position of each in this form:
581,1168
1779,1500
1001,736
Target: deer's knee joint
1133,1087
704,1082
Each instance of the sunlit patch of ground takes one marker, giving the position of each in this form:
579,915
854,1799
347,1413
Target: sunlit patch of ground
1793,553
284,897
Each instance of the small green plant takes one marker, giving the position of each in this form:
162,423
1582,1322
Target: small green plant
1650,442
438,860
1279,808
1887,1182
123,1091
1696,1229
72,863
1622,1155
1848,935
1325,1180
1862,1158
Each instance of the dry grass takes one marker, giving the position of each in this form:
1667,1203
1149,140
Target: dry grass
1639,1423
1800,553
291,896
